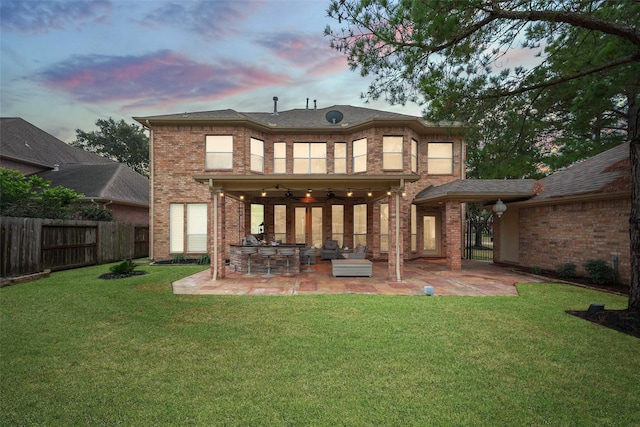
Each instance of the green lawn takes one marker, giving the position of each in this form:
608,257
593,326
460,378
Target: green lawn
76,350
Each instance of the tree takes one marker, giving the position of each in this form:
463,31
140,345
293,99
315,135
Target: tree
584,91
34,197
119,141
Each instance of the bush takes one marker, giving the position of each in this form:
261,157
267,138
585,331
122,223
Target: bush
178,259
599,271
204,260
536,270
125,267
567,271
95,213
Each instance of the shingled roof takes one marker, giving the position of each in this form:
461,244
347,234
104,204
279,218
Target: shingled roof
298,119
87,173
606,173
24,142
114,181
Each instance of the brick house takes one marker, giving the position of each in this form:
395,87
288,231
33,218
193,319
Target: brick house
574,215
303,176
32,151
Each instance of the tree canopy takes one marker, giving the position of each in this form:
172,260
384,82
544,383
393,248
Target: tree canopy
542,82
119,141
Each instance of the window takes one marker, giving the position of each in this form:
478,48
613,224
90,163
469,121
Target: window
309,157
440,160
196,228
392,152
257,155
360,155
414,156
337,223
414,228
340,157
280,223
257,219
280,157
219,150
360,225
384,227
176,228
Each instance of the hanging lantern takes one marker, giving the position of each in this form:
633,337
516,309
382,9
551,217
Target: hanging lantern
499,208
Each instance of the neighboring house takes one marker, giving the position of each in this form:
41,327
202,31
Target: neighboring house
30,150
302,176
572,216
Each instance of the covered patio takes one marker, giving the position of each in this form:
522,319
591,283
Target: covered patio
475,279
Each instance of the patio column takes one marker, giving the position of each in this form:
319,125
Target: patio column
453,215
217,234
396,237
497,227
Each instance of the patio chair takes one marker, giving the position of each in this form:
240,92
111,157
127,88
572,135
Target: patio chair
360,252
330,250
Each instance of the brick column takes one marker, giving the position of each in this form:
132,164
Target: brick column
396,255
453,221
497,226
217,236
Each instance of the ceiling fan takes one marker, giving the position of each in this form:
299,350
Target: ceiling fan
332,195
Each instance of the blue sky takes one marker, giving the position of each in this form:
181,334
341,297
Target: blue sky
65,64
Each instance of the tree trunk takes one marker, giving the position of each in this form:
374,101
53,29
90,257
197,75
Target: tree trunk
634,220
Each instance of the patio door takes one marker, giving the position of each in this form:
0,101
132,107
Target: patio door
431,235
308,225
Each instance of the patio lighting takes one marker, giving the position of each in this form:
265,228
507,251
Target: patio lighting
350,193
264,193
499,208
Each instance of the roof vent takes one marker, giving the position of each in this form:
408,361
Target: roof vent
334,117
275,105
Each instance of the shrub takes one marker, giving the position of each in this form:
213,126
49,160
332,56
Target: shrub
567,271
204,260
599,271
125,267
536,270
178,259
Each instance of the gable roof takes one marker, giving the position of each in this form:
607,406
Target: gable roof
479,190
115,181
24,142
607,172
298,120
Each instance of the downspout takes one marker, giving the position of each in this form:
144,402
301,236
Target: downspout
215,230
151,198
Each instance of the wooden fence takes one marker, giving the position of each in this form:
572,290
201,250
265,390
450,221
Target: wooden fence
31,245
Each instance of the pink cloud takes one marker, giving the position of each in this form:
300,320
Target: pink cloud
303,51
165,76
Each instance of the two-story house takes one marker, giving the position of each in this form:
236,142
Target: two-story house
300,177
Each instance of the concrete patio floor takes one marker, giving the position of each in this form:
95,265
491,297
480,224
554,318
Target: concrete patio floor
475,279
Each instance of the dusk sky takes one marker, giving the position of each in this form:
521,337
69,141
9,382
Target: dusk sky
65,64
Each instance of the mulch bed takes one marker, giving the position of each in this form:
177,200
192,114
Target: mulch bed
111,276
624,321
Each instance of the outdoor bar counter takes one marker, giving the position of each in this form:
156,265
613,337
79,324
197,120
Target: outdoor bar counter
238,259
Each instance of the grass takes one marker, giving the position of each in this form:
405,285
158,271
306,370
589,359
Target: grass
76,350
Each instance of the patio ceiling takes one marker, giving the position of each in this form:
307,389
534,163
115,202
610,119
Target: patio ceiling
253,186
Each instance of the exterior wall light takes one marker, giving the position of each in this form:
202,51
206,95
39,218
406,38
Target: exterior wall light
264,193
499,208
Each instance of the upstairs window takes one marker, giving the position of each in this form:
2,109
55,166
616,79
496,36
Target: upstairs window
309,157
280,157
340,157
392,152
219,152
440,158
360,155
257,155
414,156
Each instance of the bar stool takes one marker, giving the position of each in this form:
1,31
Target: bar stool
268,252
248,251
309,252
287,252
